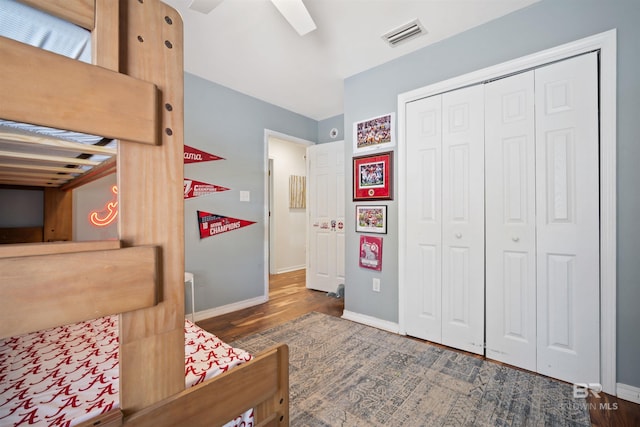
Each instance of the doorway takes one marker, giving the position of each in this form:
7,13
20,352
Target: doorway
285,222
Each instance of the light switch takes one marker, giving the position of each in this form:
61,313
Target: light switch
245,196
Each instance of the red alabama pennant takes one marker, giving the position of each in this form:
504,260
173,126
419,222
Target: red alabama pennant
193,188
212,224
193,155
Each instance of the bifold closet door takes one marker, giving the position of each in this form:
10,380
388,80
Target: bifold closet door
445,219
542,220
424,219
463,219
567,212
511,220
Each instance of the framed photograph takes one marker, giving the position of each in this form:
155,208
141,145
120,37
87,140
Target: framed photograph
371,219
374,133
372,176
371,252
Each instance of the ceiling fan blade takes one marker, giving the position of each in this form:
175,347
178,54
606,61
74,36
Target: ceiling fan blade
204,6
297,14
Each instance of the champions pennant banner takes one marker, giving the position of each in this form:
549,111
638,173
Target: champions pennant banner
212,224
193,188
193,155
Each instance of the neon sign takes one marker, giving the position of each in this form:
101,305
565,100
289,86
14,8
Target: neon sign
108,214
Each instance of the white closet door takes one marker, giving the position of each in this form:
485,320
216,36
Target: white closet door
463,219
567,219
511,220
424,225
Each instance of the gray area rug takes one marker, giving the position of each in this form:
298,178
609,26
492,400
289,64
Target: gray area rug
343,373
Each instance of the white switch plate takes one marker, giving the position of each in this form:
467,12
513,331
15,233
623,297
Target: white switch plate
245,196
376,284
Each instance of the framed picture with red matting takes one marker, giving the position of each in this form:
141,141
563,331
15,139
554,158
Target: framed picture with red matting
372,176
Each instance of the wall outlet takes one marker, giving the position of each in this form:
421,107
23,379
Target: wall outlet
376,284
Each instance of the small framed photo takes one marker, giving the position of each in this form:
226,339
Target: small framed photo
374,133
371,252
372,176
371,219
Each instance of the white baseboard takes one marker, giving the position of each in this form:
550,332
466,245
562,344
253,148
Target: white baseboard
628,392
217,311
288,269
385,325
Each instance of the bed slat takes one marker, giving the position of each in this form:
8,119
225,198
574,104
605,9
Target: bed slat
89,99
74,287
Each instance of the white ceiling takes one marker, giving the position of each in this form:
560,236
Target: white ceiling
248,46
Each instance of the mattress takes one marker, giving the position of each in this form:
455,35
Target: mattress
66,375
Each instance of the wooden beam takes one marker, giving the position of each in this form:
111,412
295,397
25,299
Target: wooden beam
74,287
89,98
151,206
215,401
34,249
58,215
20,235
80,12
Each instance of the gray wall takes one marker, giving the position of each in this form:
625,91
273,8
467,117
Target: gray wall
538,27
229,267
325,126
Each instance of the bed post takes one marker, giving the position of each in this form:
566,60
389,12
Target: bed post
152,206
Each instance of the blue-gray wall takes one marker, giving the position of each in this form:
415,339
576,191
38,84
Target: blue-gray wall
325,126
543,25
229,267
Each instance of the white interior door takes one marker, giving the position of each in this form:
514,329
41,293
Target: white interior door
567,205
463,219
325,206
510,220
423,261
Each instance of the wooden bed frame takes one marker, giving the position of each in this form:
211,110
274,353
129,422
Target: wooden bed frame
132,93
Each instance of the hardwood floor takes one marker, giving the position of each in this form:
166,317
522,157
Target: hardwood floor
289,298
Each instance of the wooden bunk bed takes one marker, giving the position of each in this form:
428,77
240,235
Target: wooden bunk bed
136,87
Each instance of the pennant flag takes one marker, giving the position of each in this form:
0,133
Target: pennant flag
193,188
212,224
193,155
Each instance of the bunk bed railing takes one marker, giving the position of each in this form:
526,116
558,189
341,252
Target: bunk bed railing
89,99
92,280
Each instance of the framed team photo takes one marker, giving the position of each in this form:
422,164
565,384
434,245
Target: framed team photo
374,133
371,219
372,175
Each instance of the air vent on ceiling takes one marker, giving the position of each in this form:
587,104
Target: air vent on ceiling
404,33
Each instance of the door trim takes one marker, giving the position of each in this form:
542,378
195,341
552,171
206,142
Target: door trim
268,133
605,43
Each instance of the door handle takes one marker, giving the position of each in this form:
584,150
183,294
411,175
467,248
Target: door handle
458,235
515,239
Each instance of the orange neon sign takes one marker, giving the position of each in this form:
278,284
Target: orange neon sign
108,214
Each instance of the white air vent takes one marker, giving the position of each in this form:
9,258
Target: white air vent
404,33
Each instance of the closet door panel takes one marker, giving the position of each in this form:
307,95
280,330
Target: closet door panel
568,220
424,243
463,219
510,220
